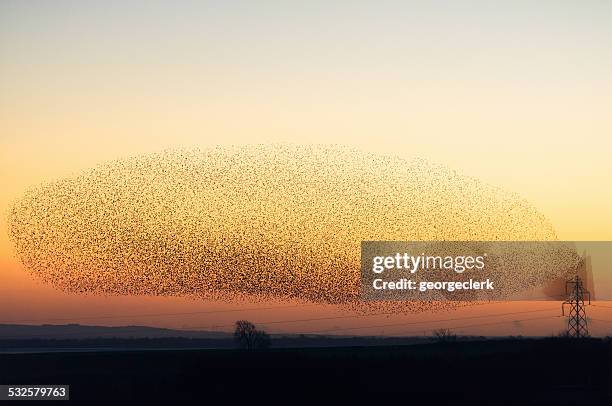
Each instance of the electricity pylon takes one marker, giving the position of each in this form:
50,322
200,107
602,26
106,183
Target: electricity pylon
576,323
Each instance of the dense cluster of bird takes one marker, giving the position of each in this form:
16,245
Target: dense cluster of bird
252,222
513,268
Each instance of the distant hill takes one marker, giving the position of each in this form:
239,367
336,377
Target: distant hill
19,337
78,331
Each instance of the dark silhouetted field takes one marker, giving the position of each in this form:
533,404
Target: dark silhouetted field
521,371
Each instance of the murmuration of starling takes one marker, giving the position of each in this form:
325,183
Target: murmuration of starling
252,222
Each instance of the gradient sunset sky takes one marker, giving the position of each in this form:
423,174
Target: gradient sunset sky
515,93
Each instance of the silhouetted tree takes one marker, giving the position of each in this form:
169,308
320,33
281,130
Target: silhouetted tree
248,337
444,335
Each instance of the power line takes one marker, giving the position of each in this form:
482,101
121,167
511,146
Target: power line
156,314
294,320
137,328
596,305
365,315
115,316
297,320
423,321
483,324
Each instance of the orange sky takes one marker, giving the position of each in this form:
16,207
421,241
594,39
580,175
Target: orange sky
29,302
516,95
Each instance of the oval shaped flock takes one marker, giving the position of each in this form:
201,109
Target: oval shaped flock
269,221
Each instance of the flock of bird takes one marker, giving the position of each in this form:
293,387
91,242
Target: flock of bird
254,222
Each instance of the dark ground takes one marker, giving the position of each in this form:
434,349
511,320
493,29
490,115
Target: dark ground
497,372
